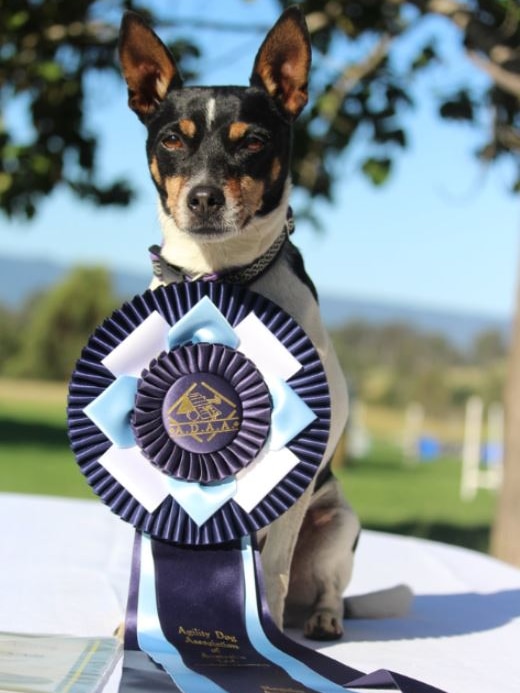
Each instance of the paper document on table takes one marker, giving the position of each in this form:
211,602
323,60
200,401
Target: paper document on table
55,663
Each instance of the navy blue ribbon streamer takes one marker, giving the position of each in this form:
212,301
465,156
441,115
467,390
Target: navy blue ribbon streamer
212,632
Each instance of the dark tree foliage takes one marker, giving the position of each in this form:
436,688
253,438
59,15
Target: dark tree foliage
47,52
371,95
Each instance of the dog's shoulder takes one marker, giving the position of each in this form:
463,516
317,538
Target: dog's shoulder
295,261
287,284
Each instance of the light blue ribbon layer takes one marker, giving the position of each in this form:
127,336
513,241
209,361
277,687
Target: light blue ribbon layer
201,501
290,413
151,638
203,323
111,411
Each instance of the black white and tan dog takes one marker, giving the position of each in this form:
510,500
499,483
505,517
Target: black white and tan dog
220,160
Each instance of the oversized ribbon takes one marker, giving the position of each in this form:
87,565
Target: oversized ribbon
156,395
199,413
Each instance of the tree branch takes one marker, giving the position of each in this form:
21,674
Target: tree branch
352,75
482,40
506,80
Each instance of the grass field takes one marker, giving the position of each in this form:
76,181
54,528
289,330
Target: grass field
420,500
34,451
388,493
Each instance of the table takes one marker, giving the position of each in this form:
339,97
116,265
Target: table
65,567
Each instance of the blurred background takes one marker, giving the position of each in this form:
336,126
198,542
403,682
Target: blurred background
406,188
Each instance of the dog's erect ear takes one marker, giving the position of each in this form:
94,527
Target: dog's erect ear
148,66
283,62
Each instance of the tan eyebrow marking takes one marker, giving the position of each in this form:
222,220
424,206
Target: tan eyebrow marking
188,127
237,130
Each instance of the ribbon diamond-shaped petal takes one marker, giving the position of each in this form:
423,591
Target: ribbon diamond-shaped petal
202,501
112,409
203,323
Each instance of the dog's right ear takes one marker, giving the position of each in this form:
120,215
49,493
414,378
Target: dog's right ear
148,66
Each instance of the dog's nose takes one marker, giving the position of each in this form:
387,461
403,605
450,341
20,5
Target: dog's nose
204,200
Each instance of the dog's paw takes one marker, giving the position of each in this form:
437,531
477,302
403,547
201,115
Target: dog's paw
323,625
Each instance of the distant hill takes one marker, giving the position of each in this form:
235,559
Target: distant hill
21,278
460,327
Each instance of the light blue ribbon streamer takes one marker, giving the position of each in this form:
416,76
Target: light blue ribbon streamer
201,501
151,638
294,667
111,410
203,323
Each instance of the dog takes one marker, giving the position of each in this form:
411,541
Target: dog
220,160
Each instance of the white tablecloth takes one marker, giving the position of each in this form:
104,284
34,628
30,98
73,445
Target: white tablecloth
65,566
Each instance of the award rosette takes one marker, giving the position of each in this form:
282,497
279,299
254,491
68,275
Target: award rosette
199,413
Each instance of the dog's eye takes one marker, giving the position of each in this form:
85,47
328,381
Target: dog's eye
253,143
172,141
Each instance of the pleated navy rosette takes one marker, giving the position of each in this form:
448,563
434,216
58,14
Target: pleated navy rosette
194,448
185,405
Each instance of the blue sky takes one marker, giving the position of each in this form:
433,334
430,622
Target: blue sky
443,232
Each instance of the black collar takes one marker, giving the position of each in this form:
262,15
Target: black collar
168,273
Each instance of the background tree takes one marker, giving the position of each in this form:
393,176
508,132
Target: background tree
372,93
394,364
60,322
48,50
9,335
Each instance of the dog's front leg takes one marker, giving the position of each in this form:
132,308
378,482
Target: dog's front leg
277,553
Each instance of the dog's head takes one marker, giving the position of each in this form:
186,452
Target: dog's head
219,156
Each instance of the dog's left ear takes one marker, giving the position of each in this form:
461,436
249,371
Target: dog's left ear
283,62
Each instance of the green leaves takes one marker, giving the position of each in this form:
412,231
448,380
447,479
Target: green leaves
361,102
424,58
362,88
377,170
50,71
47,51
458,107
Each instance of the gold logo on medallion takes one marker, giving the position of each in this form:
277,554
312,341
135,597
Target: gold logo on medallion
202,413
